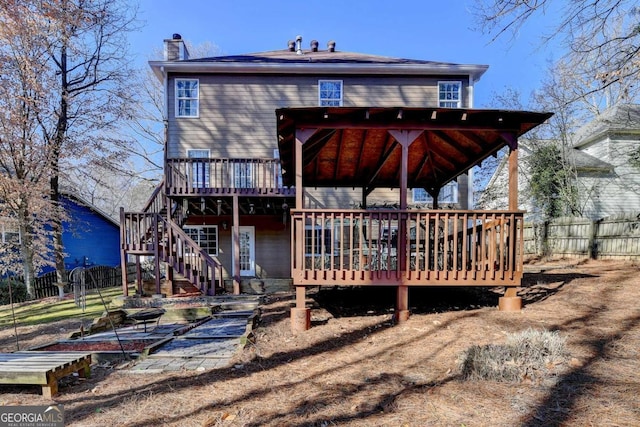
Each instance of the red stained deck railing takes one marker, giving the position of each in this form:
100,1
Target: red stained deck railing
225,176
145,233
417,248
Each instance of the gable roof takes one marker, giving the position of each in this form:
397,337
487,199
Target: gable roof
623,118
587,162
352,146
318,62
68,194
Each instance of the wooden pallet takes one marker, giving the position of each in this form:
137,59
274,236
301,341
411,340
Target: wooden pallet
43,368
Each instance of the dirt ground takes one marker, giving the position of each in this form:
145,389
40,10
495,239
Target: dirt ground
355,368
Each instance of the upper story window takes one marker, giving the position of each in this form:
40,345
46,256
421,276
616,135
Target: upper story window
450,94
187,97
448,194
330,93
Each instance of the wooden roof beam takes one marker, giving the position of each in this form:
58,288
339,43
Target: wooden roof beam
381,161
450,142
339,157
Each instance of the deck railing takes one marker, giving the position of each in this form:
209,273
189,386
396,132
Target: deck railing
394,247
156,202
224,176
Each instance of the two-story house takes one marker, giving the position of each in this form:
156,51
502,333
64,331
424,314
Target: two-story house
605,177
325,167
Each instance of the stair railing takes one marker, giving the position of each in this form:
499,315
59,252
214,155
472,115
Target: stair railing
157,200
188,258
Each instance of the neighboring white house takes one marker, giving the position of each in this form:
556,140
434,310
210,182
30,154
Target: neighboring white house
607,182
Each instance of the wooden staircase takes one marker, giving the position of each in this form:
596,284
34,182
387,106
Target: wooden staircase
156,231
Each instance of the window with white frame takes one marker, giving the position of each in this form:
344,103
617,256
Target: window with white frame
450,94
206,236
330,93
315,241
200,168
448,194
10,233
187,97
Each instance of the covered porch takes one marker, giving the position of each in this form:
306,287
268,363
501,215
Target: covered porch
400,148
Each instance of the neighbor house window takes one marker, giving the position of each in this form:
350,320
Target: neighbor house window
187,97
330,93
450,94
206,236
448,194
10,233
199,168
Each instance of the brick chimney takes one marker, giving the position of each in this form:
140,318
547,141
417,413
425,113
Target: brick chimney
175,49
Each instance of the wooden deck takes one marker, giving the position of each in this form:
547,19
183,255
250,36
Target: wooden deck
407,248
222,176
43,368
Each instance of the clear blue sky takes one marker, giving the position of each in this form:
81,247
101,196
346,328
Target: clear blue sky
436,30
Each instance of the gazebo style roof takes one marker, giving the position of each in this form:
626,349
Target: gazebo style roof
354,146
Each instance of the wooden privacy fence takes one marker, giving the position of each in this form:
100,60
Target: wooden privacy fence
608,238
106,277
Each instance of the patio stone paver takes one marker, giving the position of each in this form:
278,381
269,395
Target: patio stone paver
210,345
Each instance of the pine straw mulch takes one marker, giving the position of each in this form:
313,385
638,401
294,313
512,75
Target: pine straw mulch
355,368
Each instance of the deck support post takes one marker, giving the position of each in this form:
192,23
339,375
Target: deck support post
123,255
235,231
402,305
140,290
510,301
300,314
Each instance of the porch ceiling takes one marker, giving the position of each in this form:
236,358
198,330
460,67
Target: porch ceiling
352,147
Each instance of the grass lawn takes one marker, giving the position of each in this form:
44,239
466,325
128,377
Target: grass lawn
51,309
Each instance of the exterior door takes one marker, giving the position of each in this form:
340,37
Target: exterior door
199,168
247,251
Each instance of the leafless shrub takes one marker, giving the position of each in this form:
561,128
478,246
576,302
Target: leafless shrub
527,355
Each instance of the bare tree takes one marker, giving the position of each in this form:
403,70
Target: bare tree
25,156
86,48
602,36
148,125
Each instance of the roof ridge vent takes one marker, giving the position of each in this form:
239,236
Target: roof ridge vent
314,45
331,46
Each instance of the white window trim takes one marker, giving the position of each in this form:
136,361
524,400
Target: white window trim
177,100
195,183
9,229
332,81
459,83
456,196
217,241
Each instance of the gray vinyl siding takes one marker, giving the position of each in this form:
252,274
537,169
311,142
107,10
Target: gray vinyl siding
272,249
237,113
618,192
603,193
